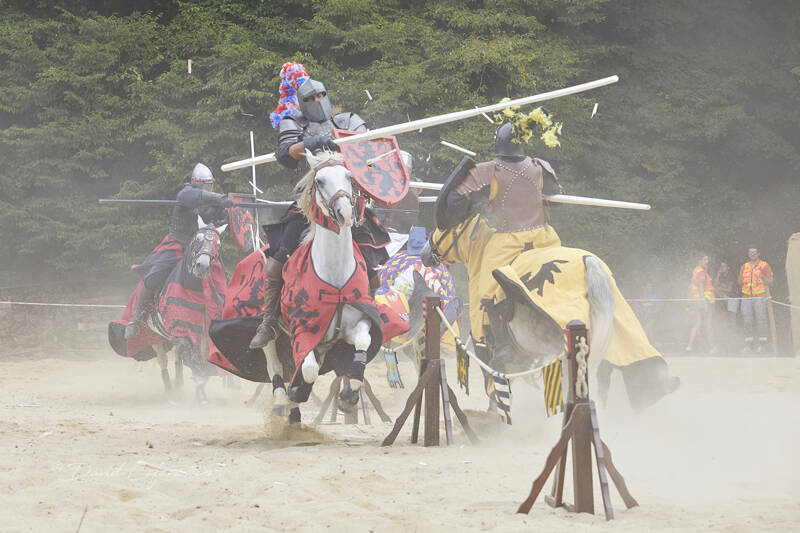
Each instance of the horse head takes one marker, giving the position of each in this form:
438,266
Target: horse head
328,186
204,248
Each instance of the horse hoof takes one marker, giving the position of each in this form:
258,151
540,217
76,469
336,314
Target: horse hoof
280,405
294,415
348,400
200,396
310,369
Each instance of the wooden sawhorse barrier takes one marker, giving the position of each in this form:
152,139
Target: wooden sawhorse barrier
365,393
432,381
580,426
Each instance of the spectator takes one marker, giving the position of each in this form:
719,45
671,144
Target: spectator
701,289
649,310
755,277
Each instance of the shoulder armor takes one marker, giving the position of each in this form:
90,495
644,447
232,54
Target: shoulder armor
349,121
289,131
289,124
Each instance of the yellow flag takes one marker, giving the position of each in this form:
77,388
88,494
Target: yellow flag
553,398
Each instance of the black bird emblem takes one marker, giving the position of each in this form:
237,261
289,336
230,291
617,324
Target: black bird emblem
545,274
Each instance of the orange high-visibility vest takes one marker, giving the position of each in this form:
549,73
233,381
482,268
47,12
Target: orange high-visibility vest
708,287
753,278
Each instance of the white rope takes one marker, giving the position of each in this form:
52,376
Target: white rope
677,299
484,365
776,302
46,304
790,306
581,387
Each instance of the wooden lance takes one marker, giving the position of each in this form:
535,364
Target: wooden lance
437,120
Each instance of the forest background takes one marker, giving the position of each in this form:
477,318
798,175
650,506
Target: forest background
96,101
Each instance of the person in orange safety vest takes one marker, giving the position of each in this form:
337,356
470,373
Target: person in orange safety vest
755,277
701,289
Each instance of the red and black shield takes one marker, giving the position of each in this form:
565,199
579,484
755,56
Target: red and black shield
242,221
377,167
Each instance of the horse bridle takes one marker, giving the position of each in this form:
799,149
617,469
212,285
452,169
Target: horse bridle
341,193
207,248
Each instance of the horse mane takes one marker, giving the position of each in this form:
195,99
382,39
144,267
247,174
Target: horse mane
306,191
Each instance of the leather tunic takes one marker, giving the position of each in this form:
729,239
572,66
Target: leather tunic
514,191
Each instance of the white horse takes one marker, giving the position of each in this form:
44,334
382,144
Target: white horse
328,186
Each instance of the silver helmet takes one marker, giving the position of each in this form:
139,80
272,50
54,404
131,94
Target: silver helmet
202,175
312,109
504,145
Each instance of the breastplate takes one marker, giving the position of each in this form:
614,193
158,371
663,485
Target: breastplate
515,198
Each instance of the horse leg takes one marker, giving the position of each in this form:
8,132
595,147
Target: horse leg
161,353
178,369
360,338
200,381
310,368
280,403
294,413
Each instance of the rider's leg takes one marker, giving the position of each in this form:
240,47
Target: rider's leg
290,239
273,284
144,305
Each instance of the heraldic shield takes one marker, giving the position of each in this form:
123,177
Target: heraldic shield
377,167
243,222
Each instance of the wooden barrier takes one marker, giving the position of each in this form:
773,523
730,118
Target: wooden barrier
432,380
581,427
365,393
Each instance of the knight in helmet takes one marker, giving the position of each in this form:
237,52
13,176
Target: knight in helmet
194,199
507,192
305,120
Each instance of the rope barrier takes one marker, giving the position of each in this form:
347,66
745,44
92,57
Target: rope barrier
47,304
678,299
484,365
790,306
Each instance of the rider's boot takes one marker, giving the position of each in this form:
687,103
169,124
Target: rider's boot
143,307
268,329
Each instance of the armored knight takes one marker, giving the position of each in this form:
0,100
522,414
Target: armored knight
305,121
195,198
507,192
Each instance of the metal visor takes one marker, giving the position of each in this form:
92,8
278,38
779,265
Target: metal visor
242,221
377,167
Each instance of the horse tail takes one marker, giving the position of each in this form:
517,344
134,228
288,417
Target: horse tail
601,304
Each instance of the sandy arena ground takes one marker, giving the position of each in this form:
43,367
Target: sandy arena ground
719,455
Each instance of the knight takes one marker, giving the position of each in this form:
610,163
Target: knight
196,198
305,120
507,192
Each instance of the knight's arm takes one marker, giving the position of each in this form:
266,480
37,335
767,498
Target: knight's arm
290,144
550,183
196,198
468,197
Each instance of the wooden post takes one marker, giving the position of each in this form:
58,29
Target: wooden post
581,427
365,393
432,382
581,440
432,327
